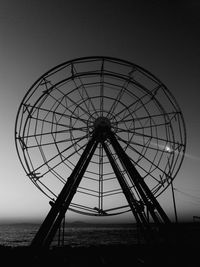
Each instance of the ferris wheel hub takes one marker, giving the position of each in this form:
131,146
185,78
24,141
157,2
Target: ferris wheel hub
102,123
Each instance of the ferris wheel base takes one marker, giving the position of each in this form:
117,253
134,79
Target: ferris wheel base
104,135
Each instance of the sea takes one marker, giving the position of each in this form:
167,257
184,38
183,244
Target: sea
76,235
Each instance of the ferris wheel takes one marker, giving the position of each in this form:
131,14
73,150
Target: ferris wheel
105,131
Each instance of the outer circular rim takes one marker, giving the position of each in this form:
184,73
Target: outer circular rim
88,59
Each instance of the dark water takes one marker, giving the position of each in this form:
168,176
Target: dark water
75,236
17,234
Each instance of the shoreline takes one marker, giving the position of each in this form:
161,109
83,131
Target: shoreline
181,250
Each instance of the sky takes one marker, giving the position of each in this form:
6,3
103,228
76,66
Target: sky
161,36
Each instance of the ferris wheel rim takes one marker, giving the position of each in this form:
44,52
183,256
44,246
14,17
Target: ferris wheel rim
98,58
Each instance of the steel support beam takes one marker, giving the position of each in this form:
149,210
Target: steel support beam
52,221
133,203
150,201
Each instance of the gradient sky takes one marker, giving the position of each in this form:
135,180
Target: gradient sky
36,35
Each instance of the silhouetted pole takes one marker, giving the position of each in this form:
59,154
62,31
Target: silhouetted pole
174,203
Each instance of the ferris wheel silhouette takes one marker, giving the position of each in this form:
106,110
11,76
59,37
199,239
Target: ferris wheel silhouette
100,136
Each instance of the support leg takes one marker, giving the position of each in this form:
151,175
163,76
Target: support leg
150,201
57,212
134,205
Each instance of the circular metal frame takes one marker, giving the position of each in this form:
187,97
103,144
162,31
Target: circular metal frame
58,115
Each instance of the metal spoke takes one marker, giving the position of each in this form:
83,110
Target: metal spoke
57,113
118,98
55,156
84,129
85,91
54,142
162,115
147,159
171,142
139,100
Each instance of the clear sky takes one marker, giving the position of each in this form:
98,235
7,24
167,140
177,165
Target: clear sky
161,36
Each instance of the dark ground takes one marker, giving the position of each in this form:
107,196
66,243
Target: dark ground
104,256
184,250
